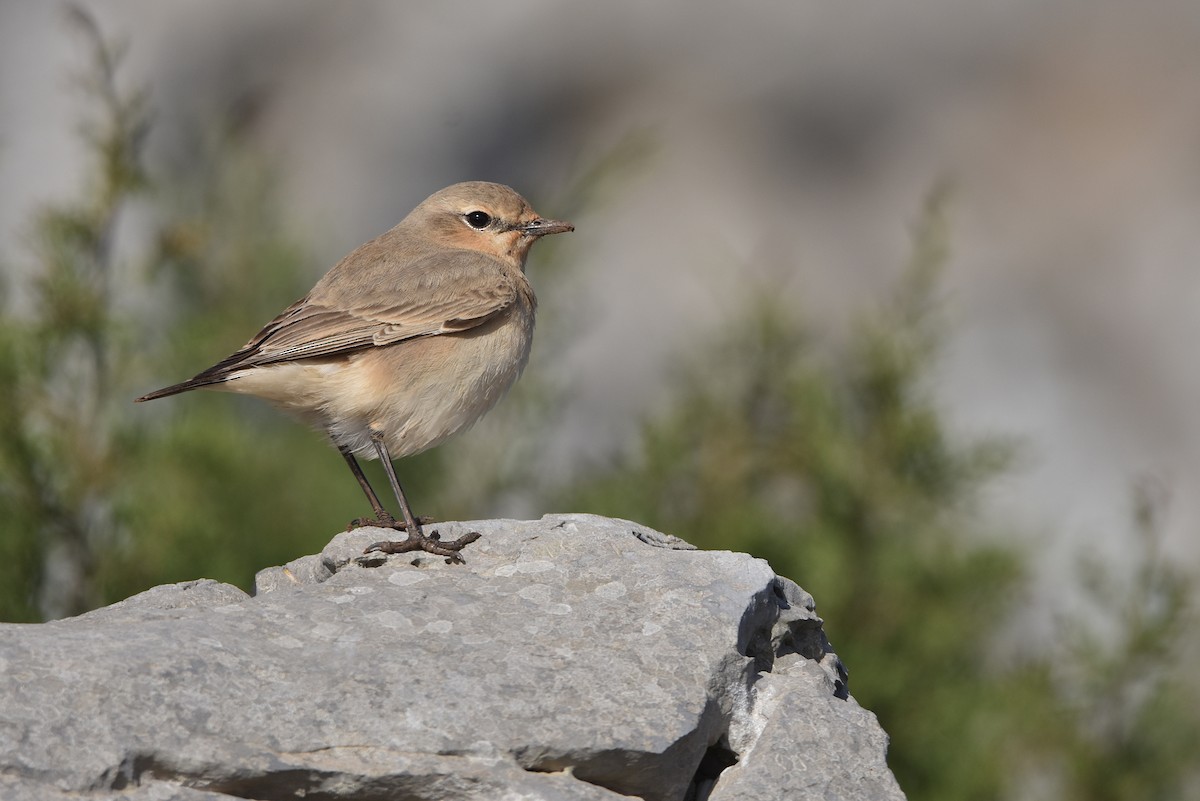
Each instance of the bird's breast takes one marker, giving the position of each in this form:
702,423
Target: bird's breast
422,391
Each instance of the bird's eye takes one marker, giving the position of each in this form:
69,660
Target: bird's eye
479,219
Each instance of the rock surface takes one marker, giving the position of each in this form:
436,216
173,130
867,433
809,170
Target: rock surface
573,657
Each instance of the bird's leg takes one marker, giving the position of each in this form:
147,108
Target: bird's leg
410,521
416,540
382,515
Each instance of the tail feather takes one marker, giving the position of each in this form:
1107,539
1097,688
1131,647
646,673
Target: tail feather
185,386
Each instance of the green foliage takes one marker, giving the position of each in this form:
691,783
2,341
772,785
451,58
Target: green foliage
61,361
1124,715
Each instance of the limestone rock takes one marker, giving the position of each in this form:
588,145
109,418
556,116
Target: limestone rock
573,657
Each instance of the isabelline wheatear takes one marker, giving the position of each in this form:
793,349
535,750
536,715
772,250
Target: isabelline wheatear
405,342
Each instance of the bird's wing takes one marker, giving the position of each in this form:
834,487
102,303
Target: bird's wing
439,294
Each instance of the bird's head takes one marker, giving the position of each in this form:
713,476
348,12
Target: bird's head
490,218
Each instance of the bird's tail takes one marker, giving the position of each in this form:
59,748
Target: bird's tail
175,389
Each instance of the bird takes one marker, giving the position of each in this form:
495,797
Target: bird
405,342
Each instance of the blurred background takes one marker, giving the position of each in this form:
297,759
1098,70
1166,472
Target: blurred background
898,295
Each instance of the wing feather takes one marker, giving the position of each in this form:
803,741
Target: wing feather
443,293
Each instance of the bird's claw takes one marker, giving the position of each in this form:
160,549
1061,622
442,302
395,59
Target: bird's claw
431,543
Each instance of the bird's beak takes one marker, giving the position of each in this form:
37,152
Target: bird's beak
540,227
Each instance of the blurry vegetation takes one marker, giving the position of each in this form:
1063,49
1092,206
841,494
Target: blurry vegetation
833,463
62,363
103,499
1122,717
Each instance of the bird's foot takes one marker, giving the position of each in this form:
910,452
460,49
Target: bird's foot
431,543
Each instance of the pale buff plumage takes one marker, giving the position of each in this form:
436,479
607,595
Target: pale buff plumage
406,341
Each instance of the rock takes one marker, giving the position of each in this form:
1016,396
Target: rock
573,657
